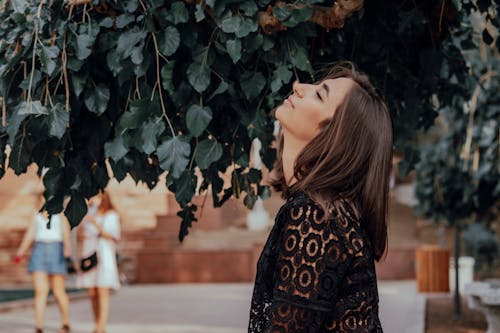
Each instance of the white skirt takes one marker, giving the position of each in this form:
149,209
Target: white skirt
105,274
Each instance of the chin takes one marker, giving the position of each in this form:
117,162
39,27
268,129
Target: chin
278,114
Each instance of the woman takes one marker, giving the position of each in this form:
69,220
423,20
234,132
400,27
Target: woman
316,272
47,265
100,232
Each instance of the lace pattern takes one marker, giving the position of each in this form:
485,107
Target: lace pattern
315,274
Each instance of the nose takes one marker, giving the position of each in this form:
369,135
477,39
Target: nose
298,89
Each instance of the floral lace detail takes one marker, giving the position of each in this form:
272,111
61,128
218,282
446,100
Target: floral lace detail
315,274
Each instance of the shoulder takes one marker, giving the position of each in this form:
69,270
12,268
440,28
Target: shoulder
340,212
340,224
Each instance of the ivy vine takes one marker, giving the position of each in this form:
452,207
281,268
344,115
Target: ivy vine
155,87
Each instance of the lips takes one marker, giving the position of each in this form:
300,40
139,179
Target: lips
289,100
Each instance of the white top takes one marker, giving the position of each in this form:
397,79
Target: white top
44,234
106,273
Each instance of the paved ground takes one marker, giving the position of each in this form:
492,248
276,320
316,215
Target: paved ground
210,308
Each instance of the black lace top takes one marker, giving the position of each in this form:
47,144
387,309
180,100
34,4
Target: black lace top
315,274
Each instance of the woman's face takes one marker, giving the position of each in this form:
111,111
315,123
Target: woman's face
302,112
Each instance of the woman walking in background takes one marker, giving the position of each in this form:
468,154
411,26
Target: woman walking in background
100,231
316,272
48,264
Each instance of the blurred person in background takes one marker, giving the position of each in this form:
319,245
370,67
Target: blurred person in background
48,264
99,233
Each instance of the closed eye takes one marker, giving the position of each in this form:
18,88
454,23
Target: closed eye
319,96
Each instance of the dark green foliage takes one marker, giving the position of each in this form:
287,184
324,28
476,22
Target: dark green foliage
170,86
458,177
482,244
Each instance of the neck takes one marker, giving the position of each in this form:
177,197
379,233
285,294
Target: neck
291,149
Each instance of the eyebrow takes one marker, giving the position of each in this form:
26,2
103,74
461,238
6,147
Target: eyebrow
327,89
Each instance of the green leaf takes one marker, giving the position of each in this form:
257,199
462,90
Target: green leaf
132,6
107,22
265,192
252,85
197,119
303,14
249,200
3,156
149,135
19,6
249,7
84,43
231,24
233,47
119,169
207,152
199,14
76,209
281,75
247,26
74,64
127,41
37,76
187,215
276,85
178,13
185,187
223,86
141,69
58,120
254,176
123,20
77,183
113,62
281,12
19,157
47,56
116,149
34,107
52,181
14,121
173,155
167,74
299,16
267,44
253,43
96,100
78,81
168,41
135,116
199,76
298,57
137,56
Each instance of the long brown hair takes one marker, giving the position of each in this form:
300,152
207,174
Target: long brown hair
349,159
